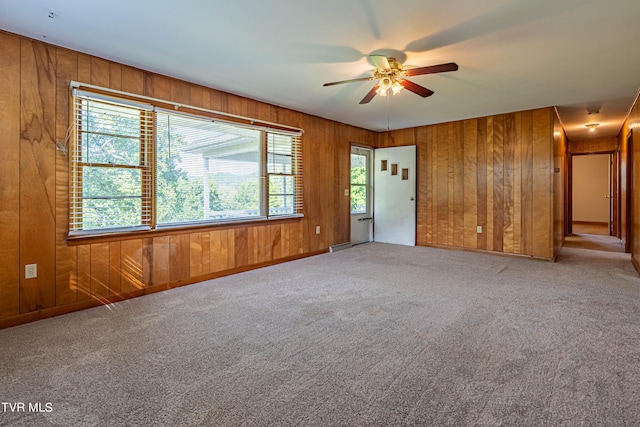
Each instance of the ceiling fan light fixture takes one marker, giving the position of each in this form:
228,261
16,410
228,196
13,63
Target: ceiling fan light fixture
396,87
382,91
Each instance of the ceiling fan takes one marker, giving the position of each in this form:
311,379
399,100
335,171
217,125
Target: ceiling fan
391,76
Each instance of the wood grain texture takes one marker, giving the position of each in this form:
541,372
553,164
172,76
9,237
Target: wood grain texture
527,183
100,263
458,184
115,268
161,260
37,173
480,172
559,162
423,179
490,184
498,183
66,256
470,201
131,264
455,186
35,116
509,143
179,257
593,146
10,268
542,183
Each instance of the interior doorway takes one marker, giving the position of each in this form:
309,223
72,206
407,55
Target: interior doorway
395,195
361,195
592,194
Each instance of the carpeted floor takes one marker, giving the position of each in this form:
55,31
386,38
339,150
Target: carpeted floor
594,242
374,335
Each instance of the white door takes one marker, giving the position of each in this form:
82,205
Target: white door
361,194
395,195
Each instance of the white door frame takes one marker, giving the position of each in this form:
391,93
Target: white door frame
361,223
395,195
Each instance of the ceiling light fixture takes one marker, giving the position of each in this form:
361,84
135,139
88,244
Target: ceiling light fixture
592,126
390,78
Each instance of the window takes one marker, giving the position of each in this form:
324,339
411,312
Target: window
134,166
359,199
284,183
110,167
206,170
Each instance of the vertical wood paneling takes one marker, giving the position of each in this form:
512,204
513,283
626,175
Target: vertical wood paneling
450,142
241,257
99,270
10,267
480,172
132,80
432,139
464,180
161,260
115,76
482,168
527,182
147,261
458,184
115,269
498,183
470,201
84,68
490,184
84,273
423,181
443,185
66,256
195,254
517,186
131,264
275,235
206,253
230,245
180,249
509,144
37,174
100,72
35,114
542,184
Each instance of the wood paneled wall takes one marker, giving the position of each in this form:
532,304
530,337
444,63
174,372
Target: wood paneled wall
593,146
496,172
560,184
34,173
624,189
633,125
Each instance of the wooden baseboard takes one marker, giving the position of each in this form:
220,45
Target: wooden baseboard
601,224
111,299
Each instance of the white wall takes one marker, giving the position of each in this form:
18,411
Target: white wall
590,188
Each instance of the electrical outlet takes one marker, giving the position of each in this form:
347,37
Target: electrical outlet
317,229
479,229
346,191
31,271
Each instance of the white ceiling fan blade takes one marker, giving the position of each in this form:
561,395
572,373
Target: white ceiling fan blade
380,61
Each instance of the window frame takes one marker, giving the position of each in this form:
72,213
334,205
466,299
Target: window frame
148,165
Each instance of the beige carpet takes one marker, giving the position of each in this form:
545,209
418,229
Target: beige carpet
594,242
374,335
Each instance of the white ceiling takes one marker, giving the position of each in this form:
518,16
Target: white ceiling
513,54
